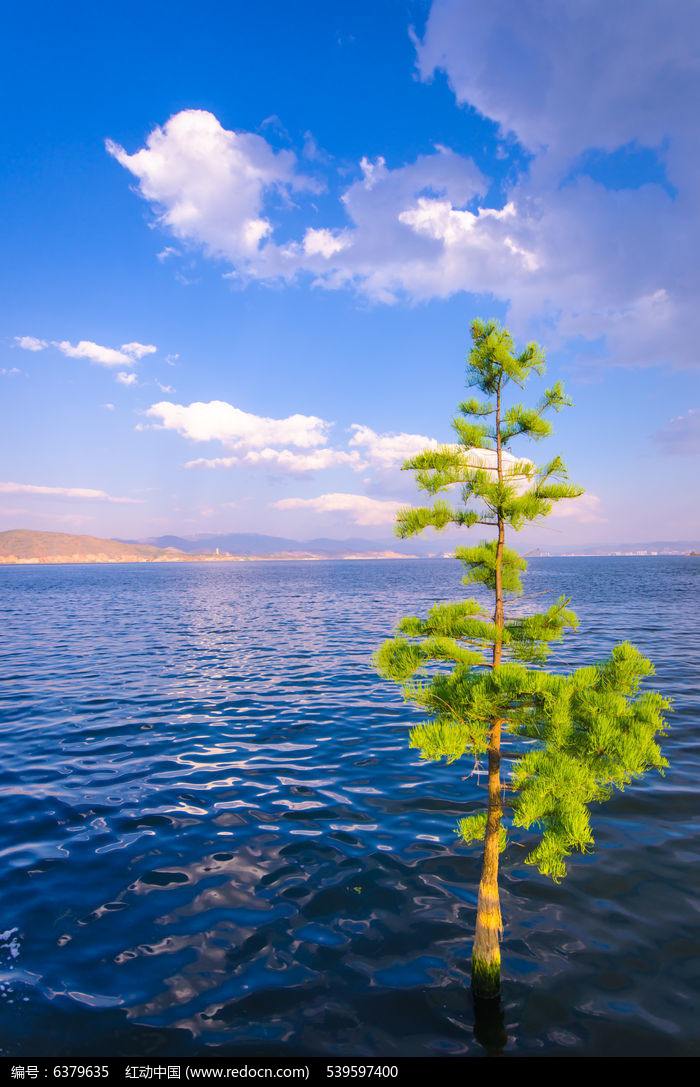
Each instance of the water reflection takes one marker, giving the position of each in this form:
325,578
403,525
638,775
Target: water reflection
489,1026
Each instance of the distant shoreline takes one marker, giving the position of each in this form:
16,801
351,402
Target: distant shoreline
201,559
29,547
225,559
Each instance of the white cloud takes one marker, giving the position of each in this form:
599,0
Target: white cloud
64,492
388,450
614,266
137,350
618,264
409,230
125,378
285,460
526,64
30,343
360,509
126,355
410,233
256,437
220,421
383,255
209,185
455,228
324,243
86,349
12,371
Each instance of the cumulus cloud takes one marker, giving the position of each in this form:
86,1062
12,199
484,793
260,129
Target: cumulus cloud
681,435
388,450
30,343
259,442
324,243
387,251
258,438
358,507
125,378
614,266
126,355
12,371
137,350
95,352
65,492
410,232
209,184
285,460
219,421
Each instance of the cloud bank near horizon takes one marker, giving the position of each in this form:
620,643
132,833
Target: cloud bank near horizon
262,442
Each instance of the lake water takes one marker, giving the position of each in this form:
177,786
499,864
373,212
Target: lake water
215,837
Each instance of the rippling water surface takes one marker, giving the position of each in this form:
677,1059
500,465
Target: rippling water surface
215,837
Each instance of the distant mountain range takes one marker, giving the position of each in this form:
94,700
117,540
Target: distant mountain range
24,546
27,546
254,543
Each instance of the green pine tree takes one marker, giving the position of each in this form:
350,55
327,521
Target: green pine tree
477,674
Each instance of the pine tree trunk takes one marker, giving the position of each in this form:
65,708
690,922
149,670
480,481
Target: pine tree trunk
486,954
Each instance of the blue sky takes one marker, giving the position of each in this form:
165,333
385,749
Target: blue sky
301,211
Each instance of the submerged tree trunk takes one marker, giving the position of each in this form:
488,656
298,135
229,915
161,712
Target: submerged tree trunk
486,955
